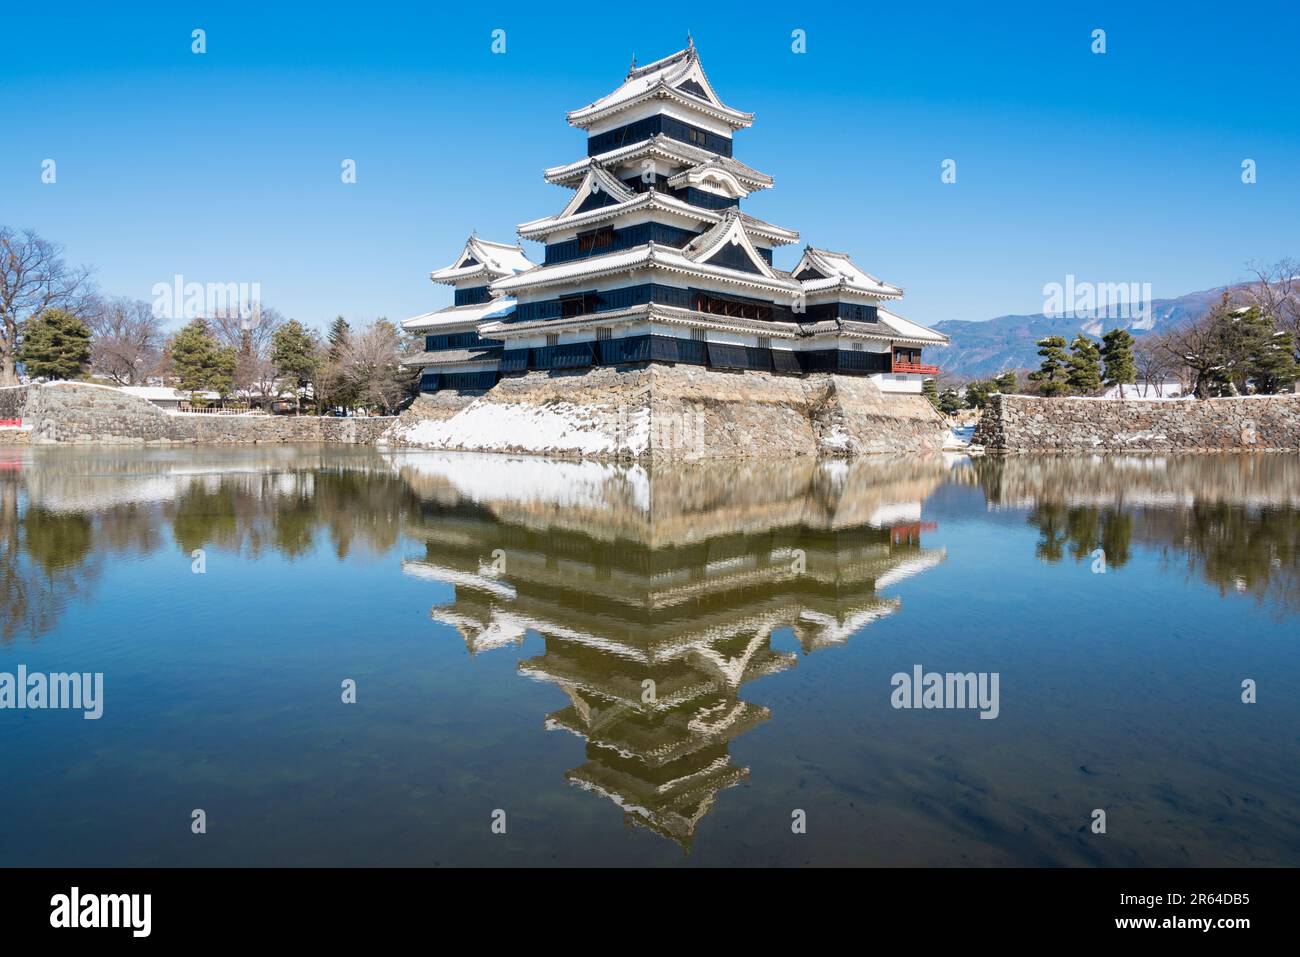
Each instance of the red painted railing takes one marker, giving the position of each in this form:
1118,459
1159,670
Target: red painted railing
914,367
11,423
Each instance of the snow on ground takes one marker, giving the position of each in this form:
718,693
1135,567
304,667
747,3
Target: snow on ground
559,427
959,439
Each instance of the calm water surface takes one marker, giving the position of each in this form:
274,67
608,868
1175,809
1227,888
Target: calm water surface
502,617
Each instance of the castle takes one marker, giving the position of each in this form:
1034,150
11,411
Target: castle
651,261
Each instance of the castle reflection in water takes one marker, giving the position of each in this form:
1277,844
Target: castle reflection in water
657,596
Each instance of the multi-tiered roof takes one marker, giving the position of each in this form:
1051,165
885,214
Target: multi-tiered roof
652,258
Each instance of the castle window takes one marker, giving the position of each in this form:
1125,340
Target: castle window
738,308
596,239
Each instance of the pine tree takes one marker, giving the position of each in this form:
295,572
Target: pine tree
930,390
1271,359
199,361
340,335
1084,374
1117,353
977,394
1051,374
949,402
55,345
296,355
1005,382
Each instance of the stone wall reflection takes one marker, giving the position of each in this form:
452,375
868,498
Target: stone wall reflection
1231,520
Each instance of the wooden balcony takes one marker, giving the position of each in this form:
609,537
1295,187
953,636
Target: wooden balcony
914,367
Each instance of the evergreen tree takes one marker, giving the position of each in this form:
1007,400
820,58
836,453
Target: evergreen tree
1117,353
340,335
1005,382
977,394
55,345
1270,357
1084,373
1051,374
296,355
930,390
949,402
200,362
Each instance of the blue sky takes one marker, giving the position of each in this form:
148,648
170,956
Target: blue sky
1121,167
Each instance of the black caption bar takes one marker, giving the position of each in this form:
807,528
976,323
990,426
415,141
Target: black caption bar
338,906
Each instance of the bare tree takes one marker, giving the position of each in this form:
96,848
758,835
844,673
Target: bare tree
250,337
33,278
1275,290
371,367
126,340
1154,362
1198,348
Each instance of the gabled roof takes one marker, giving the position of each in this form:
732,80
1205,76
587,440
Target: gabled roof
663,147
649,256
731,231
678,78
597,181
831,270
539,229
713,173
484,259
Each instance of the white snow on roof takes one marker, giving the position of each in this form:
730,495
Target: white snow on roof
495,259
839,270
657,77
913,330
640,256
659,143
540,228
458,315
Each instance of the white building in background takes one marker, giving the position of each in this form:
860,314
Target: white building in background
1169,389
652,260
164,397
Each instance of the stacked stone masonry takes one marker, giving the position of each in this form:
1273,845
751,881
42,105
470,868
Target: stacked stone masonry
1017,423
676,412
79,413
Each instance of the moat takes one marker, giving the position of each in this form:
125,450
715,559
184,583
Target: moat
649,665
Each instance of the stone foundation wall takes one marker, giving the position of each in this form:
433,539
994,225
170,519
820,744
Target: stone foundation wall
674,412
1017,423
13,402
79,413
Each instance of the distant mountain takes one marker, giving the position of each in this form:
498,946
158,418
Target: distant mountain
980,350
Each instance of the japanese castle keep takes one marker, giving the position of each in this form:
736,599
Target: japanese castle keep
654,297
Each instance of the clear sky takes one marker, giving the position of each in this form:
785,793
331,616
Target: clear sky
225,167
